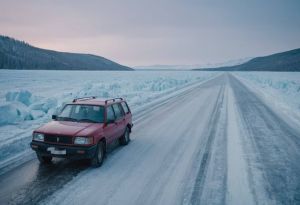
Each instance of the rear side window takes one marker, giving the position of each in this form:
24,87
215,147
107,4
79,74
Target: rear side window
110,114
125,107
118,111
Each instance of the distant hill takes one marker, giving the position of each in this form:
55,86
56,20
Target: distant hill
16,54
195,66
286,61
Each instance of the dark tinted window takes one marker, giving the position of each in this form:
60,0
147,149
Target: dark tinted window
125,107
118,111
110,114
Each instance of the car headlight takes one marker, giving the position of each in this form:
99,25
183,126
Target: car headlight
38,137
83,140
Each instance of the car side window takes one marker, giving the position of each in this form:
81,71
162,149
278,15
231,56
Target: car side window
110,114
125,107
117,110
122,110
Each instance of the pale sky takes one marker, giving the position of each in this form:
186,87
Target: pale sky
142,32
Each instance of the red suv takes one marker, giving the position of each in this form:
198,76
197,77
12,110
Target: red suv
83,129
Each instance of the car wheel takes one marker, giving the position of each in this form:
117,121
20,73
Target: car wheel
98,158
44,159
125,139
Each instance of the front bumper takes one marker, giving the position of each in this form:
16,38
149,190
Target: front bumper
71,152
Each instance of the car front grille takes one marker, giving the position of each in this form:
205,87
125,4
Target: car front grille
58,139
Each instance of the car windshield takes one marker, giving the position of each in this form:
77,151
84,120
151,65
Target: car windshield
82,113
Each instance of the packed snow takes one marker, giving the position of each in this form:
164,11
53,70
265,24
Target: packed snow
29,98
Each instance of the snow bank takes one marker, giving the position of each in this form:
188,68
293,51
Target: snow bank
22,105
282,89
138,92
14,112
22,96
29,98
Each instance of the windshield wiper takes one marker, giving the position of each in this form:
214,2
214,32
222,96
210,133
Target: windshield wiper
87,120
68,119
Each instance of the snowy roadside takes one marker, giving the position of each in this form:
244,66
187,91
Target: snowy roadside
281,91
271,142
30,105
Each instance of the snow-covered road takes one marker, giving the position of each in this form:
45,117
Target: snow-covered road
218,143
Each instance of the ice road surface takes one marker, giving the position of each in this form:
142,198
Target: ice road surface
219,143
224,138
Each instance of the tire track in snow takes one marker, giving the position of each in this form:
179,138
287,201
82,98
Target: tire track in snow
215,181
203,155
160,177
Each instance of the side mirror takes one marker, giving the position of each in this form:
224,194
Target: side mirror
54,117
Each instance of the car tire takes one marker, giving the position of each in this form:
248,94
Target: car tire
98,158
44,159
125,139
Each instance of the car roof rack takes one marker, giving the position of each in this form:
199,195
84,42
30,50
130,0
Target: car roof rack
113,100
84,98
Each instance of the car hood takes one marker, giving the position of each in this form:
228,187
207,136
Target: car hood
69,128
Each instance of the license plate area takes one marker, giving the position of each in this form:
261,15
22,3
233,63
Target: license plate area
57,151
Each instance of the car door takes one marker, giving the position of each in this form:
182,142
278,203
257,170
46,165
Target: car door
128,116
111,128
120,120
